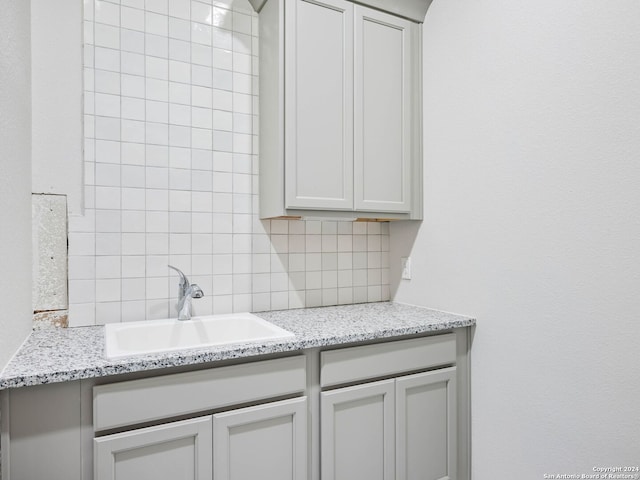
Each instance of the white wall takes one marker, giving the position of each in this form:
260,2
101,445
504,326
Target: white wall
56,63
15,177
532,224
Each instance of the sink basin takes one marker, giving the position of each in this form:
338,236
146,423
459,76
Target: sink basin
152,336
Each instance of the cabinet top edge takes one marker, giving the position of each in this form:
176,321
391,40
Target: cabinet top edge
415,10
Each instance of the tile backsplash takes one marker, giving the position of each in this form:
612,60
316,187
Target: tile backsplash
171,177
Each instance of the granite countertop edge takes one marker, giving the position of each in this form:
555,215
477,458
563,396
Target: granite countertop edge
66,354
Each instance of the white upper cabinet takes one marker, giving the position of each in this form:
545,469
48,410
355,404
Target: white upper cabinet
318,113
340,111
383,99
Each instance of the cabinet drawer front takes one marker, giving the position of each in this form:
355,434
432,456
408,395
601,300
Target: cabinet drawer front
149,399
371,361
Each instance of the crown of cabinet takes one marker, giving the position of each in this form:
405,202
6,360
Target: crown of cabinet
340,109
412,9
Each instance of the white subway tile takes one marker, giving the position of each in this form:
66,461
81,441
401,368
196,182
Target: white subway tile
133,86
201,12
222,18
107,174
201,33
156,24
222,100
82,291
179,29
201,54
157,68
82,314
157,222
108,244
106,12
108,266
156,45
133,131
157,243
180,9
222,59
157,112
180,201
107,36
107,82
132,108
133,153
180,222
133,199
132,63
179,50
107,59
132,18
156,265
179,93
241,283
156,133
133,311
158,6
222,264
222,38
133,221
107,128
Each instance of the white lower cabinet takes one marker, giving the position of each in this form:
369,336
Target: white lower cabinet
266,441
178,450
397,429
356,431
426,426
263,442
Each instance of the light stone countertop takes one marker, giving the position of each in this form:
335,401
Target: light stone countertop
64,354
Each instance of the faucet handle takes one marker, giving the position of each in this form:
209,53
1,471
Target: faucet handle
196,291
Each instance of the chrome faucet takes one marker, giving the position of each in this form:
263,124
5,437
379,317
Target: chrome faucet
186,292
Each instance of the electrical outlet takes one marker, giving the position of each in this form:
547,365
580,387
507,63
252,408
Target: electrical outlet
406,268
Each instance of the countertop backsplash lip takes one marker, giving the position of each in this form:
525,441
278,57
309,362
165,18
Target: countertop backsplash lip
67,354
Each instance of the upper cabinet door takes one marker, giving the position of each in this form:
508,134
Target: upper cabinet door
319,104
384,92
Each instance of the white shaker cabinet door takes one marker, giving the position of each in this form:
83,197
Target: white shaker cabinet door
357,432
426,426
164,452
385,49
267,442
319,104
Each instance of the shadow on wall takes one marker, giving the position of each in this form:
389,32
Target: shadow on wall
402,241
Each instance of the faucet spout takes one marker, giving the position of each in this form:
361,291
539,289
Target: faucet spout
186,292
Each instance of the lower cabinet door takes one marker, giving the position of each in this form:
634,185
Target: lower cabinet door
177,450
266,442
426,426
357,432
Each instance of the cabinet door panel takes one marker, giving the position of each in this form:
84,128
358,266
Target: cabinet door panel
319,104
357,436
383,94
268,441
426,426
165,452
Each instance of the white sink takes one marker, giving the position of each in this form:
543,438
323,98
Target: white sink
152,336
